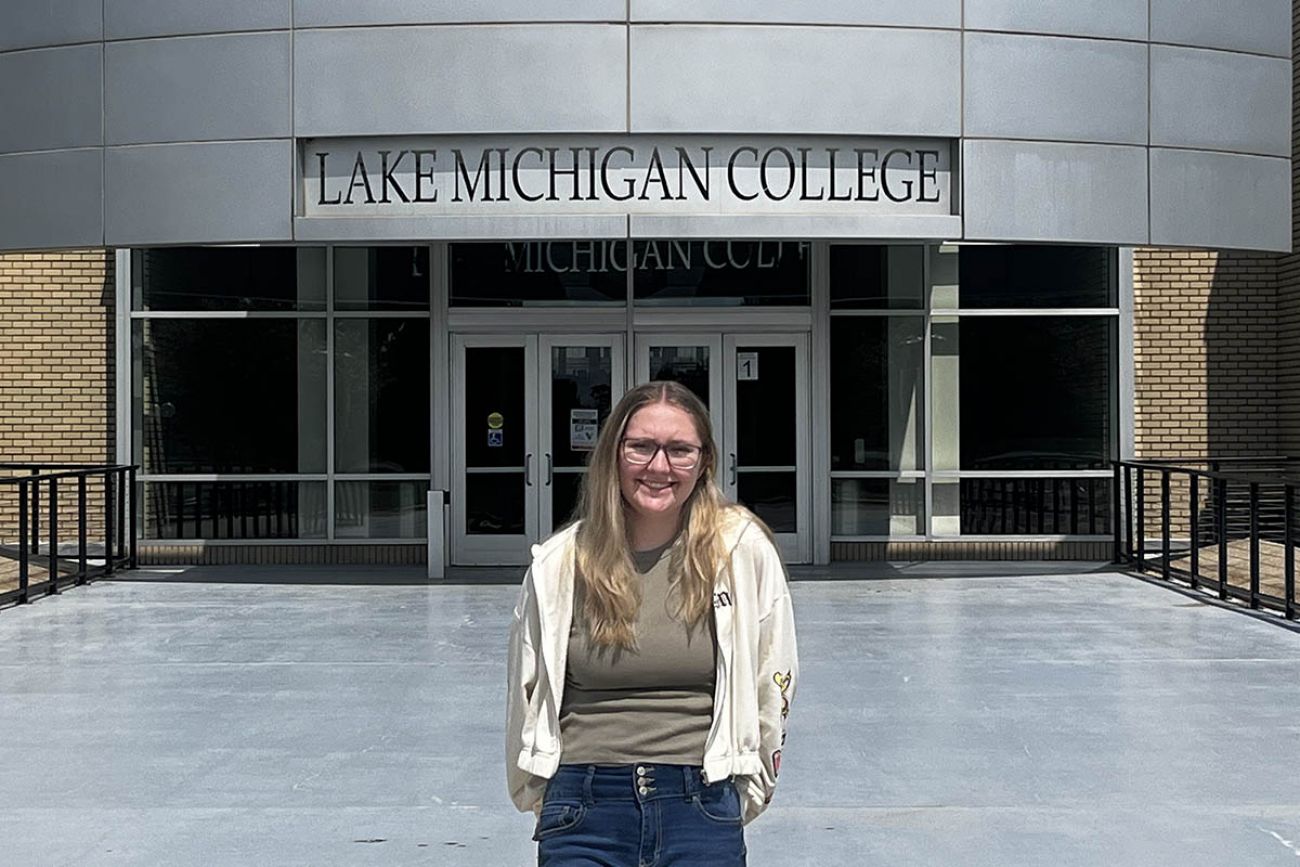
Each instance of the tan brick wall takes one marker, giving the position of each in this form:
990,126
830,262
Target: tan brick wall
1205,354
1288,295
56,367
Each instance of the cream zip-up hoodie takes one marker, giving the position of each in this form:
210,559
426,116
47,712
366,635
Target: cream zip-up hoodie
758,668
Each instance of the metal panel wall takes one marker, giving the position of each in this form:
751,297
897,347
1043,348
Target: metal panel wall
1048,99
498,78
218,87
131,19
31,23
50,98
1033,87
795,79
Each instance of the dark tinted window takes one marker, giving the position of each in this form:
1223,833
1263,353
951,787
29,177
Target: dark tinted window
721,273
231,395
381,278
228,278
1036,393
875,277
539,273
381,395
876,394
1029,276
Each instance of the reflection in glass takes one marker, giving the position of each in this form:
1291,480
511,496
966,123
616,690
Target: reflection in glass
765,407
581,384
1037,276
721,273
494,406
1035,506
381,510
228,278
1036,393
539,273
494,504
877,365
771,496
688,365
381,278
381,395
229,395
877,507
877,277
564,498
233,510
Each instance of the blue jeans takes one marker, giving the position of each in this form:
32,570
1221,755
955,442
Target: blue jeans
639,816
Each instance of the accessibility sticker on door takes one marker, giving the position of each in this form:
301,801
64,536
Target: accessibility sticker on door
583,427
495,438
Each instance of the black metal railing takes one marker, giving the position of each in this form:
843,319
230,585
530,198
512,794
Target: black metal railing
42,499
1224,525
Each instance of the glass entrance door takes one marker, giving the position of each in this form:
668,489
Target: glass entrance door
756,388
526,411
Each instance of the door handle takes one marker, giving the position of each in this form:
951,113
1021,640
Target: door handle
733,469
550,470
528,469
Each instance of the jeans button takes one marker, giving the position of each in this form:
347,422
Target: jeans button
640,769
643,790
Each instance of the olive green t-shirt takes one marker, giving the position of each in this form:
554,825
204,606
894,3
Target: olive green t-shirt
651,704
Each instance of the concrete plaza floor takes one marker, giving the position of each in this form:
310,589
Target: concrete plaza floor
310,717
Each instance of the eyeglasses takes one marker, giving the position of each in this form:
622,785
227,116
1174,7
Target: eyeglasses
681,456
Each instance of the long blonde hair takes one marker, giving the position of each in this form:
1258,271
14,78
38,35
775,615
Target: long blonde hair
611,589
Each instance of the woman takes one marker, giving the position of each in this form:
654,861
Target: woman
652,655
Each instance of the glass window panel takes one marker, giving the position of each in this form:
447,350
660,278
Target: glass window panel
766,427
494,504
564,498
233,510
1036,393
539,273
381,510
381,278
228,278
721,273
581,379
1028,507
229,395
877,277
877,507
688,365
877,364
771,496
494,406
1037,276
381,395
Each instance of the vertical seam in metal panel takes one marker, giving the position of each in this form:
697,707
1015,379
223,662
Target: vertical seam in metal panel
627,66
1150,5
295,185
103,123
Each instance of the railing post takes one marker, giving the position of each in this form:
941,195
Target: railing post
1288,553
1194,491
121,511
132,517
1114,517
108,522
54,537
1128,513
1164,524
1254,544
24,552
1141,521
1221,519
81,528
36,516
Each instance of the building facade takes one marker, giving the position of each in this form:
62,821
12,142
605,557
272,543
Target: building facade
932,265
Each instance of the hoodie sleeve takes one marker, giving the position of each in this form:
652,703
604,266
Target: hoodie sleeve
521,679
778,675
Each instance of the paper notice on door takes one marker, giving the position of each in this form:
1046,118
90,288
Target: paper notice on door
583,427
747,366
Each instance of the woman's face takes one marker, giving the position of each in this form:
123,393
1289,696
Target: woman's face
658,490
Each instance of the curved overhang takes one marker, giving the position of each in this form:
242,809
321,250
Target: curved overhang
130,122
